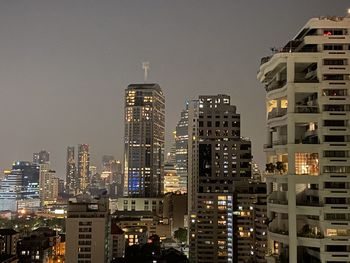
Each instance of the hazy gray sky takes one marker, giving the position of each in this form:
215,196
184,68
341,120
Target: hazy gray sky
64,65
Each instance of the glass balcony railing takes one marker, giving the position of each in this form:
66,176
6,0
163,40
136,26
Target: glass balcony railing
306,109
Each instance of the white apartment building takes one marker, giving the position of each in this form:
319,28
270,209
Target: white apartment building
308,143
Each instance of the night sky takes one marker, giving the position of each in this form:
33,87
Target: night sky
64,65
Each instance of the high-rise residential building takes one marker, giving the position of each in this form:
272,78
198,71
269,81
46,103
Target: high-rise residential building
87,230
41,157
144,140
250,221
181,141
49,184
308,140
218,160
83,167
72,182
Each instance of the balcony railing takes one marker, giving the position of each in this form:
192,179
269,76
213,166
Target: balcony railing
306,109
308,203
275,113
276,85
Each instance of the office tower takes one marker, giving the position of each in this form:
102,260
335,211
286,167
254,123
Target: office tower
218,160
144,140
10,191
87,229
41,157
83,167
72,182
308,141
181,141
22,182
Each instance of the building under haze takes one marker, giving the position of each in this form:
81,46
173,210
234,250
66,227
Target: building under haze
41,157
21,183
307,85
72,181
181,141
218,162
144,140
83,167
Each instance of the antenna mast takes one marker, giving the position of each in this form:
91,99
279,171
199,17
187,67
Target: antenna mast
145,66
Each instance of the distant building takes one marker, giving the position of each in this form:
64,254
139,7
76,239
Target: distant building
22,182
87,229
171,179
49,184
181,144
154,205
106,162
144,140
41,157
175,210
117,184
72,182
83,167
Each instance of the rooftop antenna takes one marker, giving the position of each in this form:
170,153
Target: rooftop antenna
145,66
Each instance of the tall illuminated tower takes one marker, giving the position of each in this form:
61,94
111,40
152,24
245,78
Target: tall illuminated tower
144,140
83,166
71,173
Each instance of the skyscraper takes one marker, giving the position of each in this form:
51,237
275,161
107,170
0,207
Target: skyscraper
308,141
72,181
144,140
181,141
83,167
218,162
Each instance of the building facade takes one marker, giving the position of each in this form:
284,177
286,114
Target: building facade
87,230
308,141
41,157
21,183
144,140
181,141
218,158
72,181
83,167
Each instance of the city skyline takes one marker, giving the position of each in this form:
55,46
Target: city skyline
66,59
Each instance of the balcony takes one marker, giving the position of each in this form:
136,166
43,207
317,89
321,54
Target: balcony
277,84
275,113
278,197
306,109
